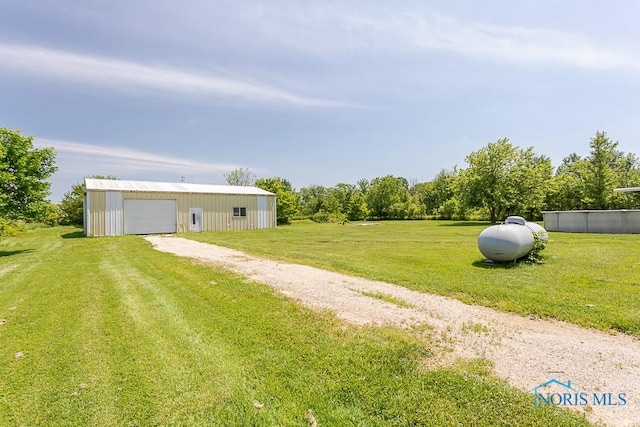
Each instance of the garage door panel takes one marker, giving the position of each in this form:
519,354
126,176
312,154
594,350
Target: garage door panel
149,216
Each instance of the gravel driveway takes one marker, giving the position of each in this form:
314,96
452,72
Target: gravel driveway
525,351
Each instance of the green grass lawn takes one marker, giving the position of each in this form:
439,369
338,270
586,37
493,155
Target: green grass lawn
588,279
107,331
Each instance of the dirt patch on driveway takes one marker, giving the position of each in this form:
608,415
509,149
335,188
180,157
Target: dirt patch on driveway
525,351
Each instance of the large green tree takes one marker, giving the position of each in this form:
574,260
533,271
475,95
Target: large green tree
71,206
600,178
388,197
286,198
343,201
588,183
24,171
436,193
241,176
358,208
566,190
505,180
316,199
627,171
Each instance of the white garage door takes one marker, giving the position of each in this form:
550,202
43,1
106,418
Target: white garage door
149,216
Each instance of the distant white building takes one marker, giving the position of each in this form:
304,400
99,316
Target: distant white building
620,221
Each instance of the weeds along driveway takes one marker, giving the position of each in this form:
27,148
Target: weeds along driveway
524,351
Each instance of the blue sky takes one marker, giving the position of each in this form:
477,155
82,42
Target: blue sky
315,92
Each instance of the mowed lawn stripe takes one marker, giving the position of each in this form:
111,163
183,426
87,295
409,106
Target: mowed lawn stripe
115,333
43,310
179,363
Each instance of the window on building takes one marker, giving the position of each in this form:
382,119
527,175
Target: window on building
239,212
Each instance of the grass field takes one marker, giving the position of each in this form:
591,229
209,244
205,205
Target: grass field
107,331
588,279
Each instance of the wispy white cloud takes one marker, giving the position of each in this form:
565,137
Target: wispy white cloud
510,44
318,28
87,159
132,77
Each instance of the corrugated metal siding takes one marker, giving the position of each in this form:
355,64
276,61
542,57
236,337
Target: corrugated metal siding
113,213
593,221
97,205
263,213
217,209
85,214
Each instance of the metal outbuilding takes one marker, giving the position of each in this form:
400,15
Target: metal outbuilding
618,221
115,207
614,221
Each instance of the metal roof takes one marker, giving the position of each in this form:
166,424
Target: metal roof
171,187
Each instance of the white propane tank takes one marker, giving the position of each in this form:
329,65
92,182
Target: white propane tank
538,230
513,219
505,242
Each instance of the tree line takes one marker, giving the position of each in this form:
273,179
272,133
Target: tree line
500,179
24,171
